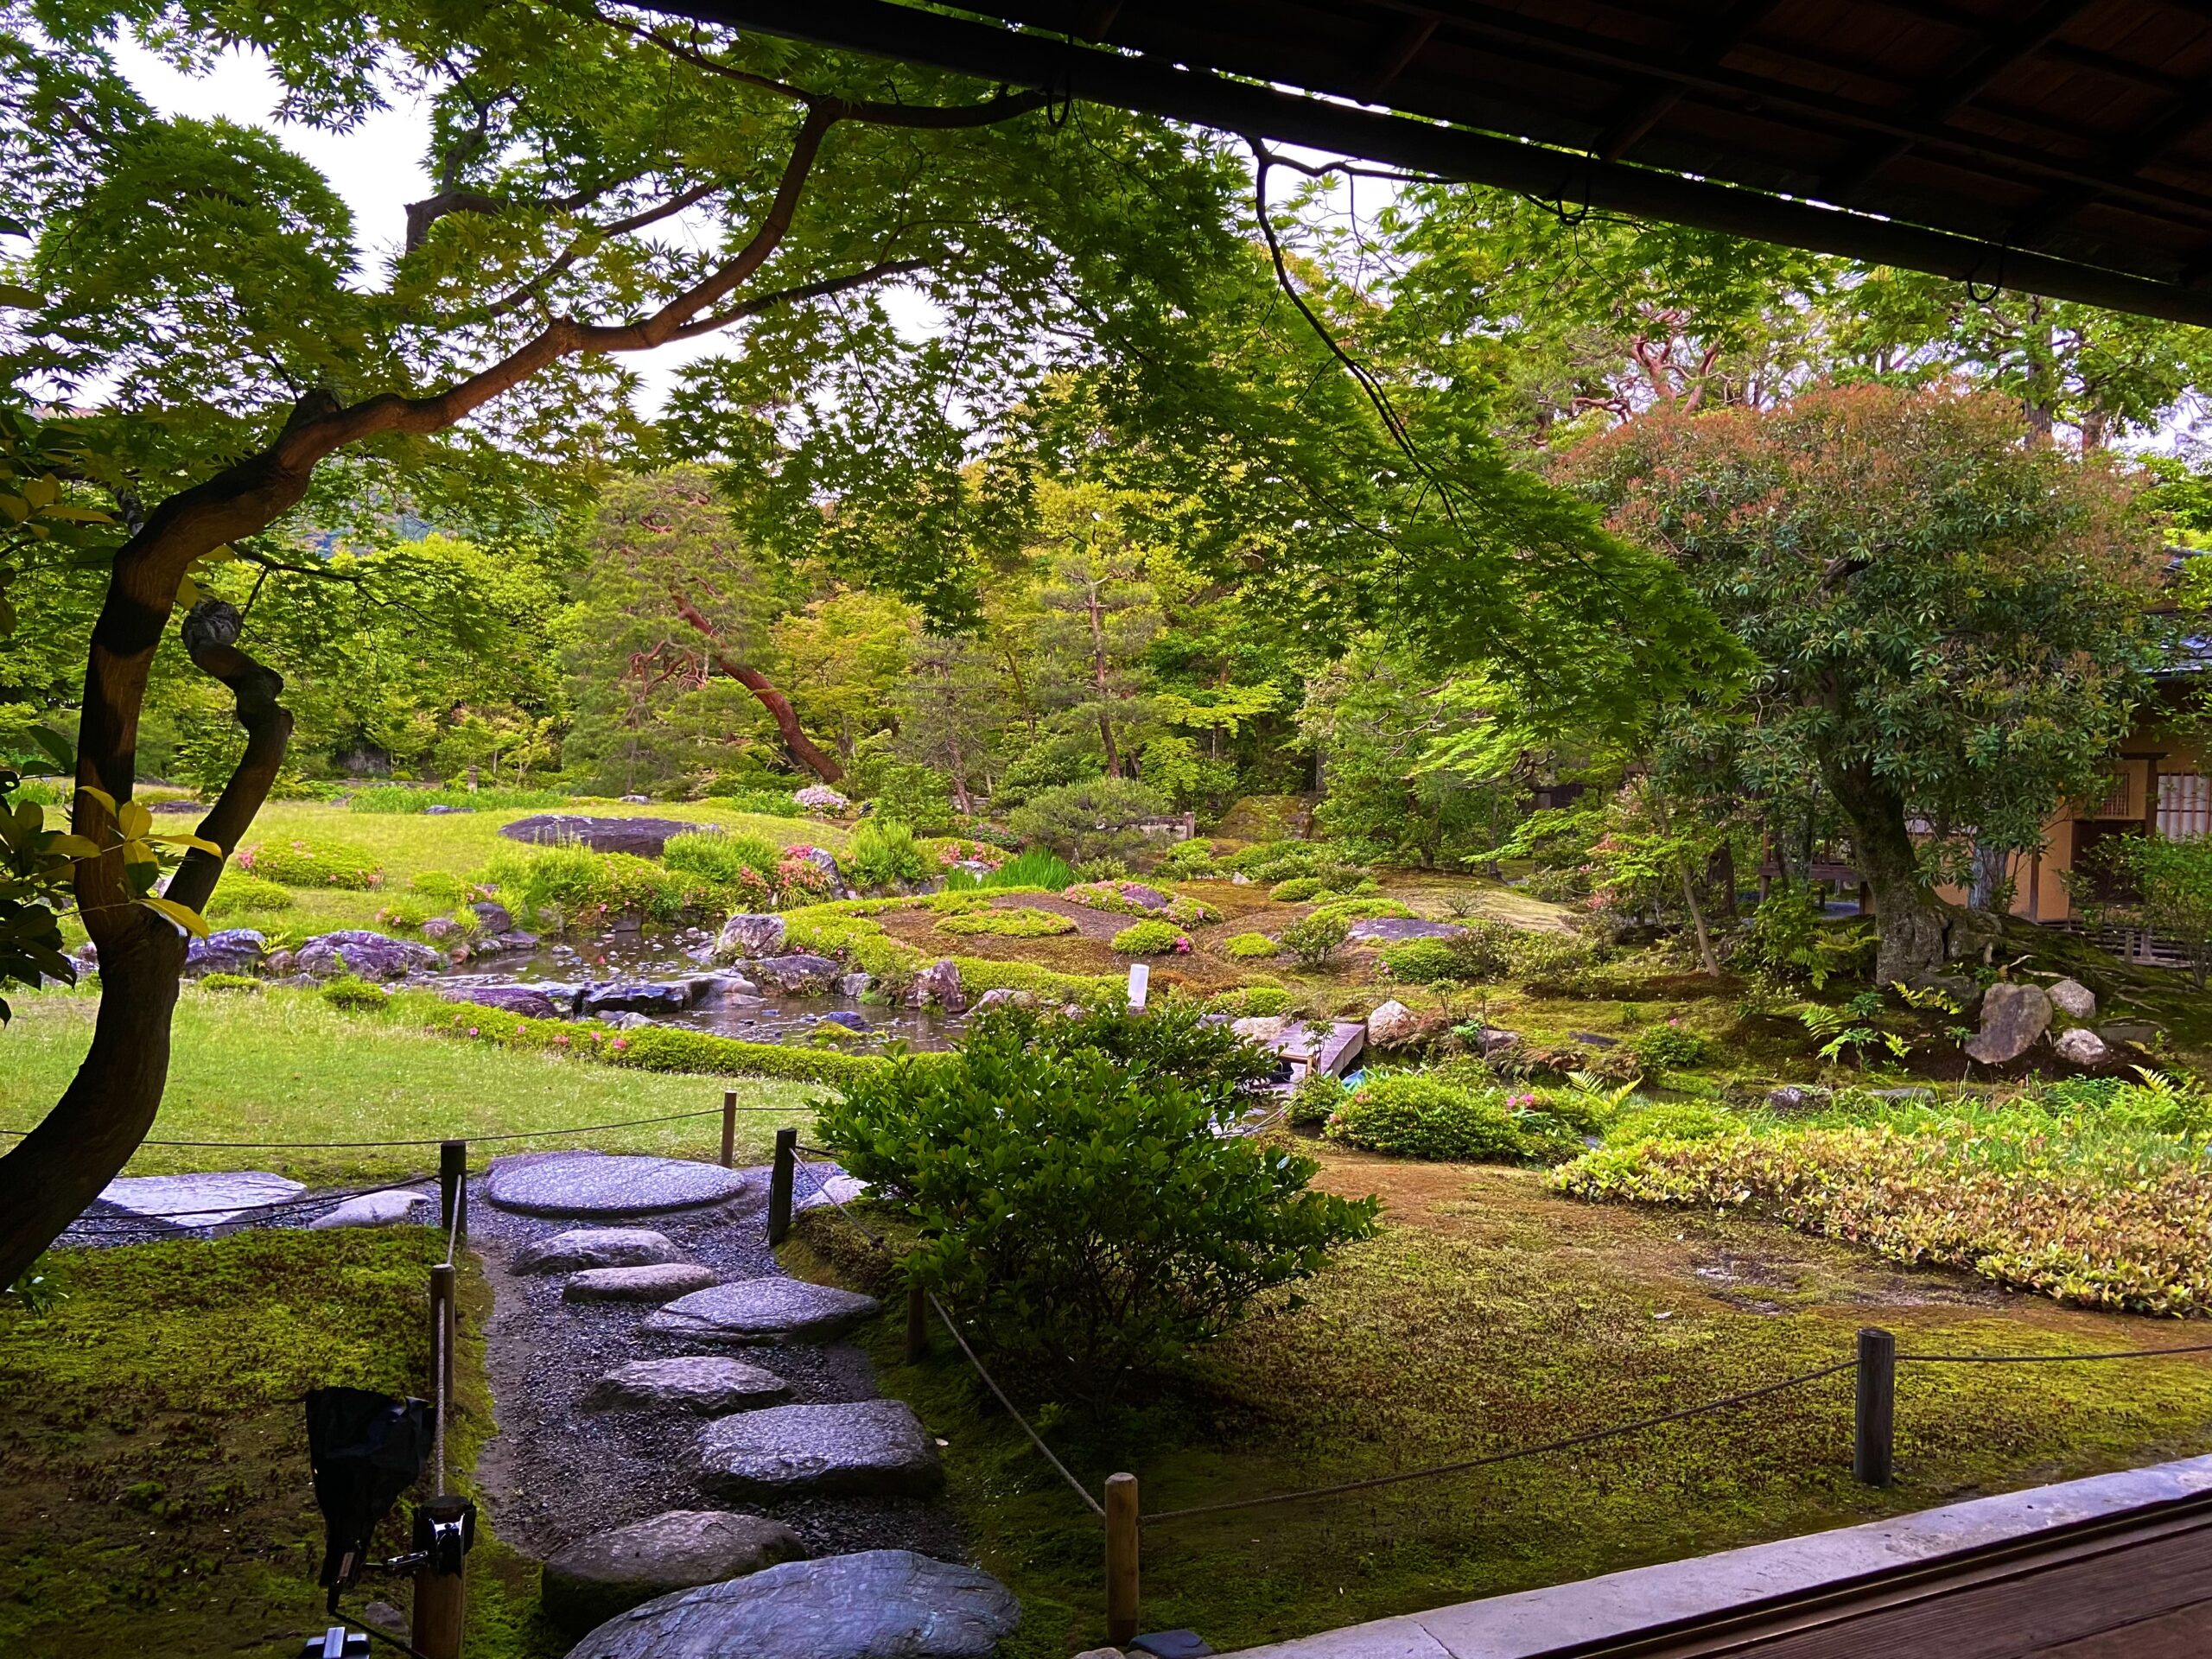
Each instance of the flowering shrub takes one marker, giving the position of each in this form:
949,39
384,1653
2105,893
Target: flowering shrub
303,864
1151,938
800,879
949,850
821,799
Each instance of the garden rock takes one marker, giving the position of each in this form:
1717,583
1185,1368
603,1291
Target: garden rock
2073,998
1796,1098
661,1283
525,999
2120,1032
1966,993
749,934
846,1018
662,999
2083,1047
1396,930
596,1246
940,982
1148,898
601,1183
493,918
608,1572
877,1603
1495,1040
798,975
228,951
439,809
370,955
2012,1018
513,939
768,1310
1266,1029
377,1210
642,837
855,984
707,1385
874,1448
1004,996
188,1201
439,929
1392,1024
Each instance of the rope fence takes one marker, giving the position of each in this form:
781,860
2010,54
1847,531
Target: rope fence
439,1140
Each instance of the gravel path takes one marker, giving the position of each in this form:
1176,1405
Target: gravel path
556,1472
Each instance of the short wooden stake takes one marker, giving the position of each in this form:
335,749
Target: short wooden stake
779,1186
442,1587
1121,1559
917,1323
1874,1438
443,1326
453,1188
729,1128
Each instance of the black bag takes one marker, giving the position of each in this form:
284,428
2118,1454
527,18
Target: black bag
365,1449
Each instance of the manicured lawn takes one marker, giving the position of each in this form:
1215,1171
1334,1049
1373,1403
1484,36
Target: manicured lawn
280,1065
1491,1313
153,1492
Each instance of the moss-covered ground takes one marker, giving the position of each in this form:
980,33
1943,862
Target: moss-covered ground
154,1488
1491,1313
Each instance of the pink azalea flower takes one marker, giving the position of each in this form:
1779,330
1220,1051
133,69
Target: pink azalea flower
472,1031
561,1038
620,1042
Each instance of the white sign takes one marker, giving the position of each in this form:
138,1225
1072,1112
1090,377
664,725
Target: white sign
1140,978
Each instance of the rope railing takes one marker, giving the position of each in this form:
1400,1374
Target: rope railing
2046,1359
439,1140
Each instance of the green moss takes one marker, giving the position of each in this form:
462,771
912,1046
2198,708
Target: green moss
1249,947
1026,922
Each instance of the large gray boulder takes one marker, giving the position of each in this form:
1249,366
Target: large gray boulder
939,984
493,918
706,1385
596,1246
605,1572
2073,998
226,951
1396,929
768,1310
1392,1024
879,1603
644,838
2013,1018
525,999
661,1282
870,1448
369,956
585,1184
749,934
2083,1047
661,999
799,975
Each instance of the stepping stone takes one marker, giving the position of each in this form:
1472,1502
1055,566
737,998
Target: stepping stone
836,1189
661,1282
380,1210
879,1604
188,1201
868,1448
764,1310
601,1183
596,1246
600,1576
707,1385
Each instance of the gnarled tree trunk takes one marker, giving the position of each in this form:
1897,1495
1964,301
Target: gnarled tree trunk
803,747
1908,920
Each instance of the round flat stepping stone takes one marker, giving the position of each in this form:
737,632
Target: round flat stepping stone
662,1282
598,1577
707,1385
764,1311
872,1448
380,1210
596,1246
602,1184
879,1604
190,1201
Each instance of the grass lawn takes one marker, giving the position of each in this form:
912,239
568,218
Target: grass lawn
154,1490
280,1065
1491,1313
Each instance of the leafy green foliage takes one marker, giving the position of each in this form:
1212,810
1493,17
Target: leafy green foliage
1314,940
1091,820
1413,1114
240,893
1671,1047
1297,889
1033,869
353,994
1075,1199
563,887
1249,947
391,799
2165,887
723,861
317,864
1151,938
1024,922
1318,1096
1790,938
910,793
1327,861
885,853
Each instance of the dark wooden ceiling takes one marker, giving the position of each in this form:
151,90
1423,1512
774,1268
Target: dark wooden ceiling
2053,133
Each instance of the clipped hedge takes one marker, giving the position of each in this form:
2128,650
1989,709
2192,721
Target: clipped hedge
981,974
1414,1116
240,893
313,864
1249,947
1151,938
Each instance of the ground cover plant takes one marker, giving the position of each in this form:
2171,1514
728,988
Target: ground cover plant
313,864
1022,922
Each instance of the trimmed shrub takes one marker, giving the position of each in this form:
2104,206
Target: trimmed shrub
1297,890
1252,1002
351,994
1151,938
1074,1193
1362,910
239,894
1314,940
1279,860
1426,962
1670,1047
570,886
981,974
1413,1116
884,853
1189,860
650,1048
1026,922
318,864
227,982
1318,1097
1689,1120
1250,947
1094,819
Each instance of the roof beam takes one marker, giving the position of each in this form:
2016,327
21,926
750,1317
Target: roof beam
1405,45
1159,88
2191,111
1637,115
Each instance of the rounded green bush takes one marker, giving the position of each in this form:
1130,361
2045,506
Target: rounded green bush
1250,947
1689,1120
228,983
1297,890
348,992
1411,1115
1429,962
239,894
1362,910
1150,939
1026,922
1671,1047
319,864
722,859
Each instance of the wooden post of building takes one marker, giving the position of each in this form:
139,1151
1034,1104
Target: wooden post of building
1121,1559
917,1323
441,1526
1875,1437
453,1189
729,1128
779,1186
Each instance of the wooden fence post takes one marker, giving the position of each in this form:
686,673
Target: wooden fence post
453,1187
1121,1559
443,1326
917,1323
444,1528
779,1186
1874,1425
729,1128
